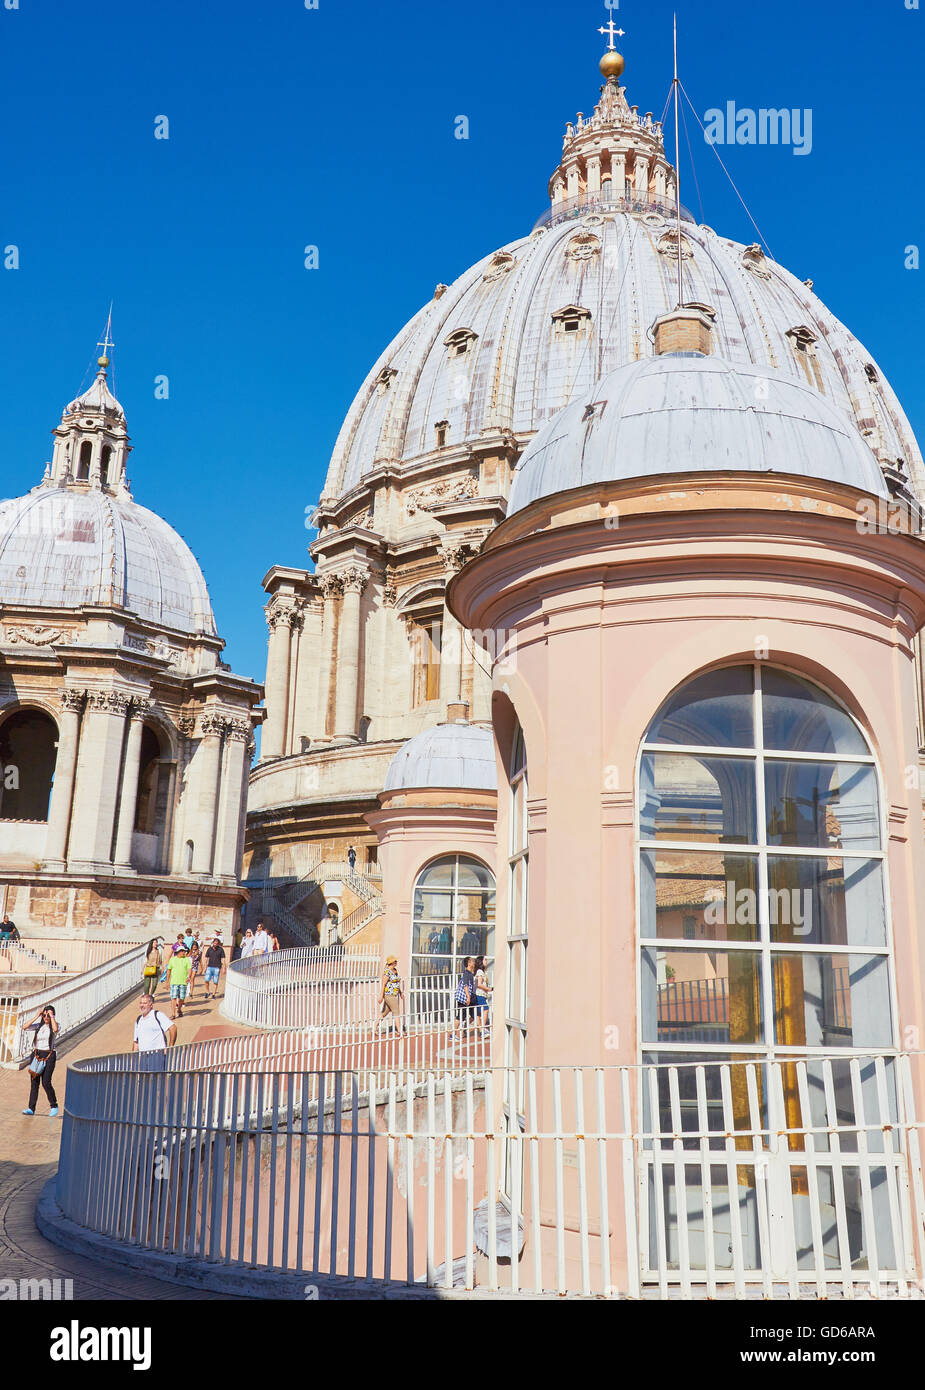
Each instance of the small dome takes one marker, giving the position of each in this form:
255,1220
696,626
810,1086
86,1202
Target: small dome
98,399
692,414
66,547
449,755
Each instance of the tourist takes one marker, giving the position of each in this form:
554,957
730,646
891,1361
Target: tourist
195,965
42,1066
392,994
154,1033
215,964
178,971
261,941
482,991
7,928
238,942
465,995
178,943
152,966
274,940
247,945
352,858
188,938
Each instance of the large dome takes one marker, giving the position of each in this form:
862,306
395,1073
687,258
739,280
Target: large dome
682,413
523,365
63,547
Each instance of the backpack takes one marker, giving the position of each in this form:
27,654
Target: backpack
157,1021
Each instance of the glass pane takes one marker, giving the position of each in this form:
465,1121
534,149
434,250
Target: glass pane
474,939
831,1001
715,710
474,875
432,906
695,996
683,797
440,873
516,921
799,717
431,937
432,965
826,901
822,804
699,895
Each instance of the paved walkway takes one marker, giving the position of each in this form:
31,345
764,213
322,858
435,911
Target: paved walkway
29,1157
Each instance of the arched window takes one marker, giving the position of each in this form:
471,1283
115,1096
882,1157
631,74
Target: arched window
83,466
28,750
146,805
762,906
104,465
454,915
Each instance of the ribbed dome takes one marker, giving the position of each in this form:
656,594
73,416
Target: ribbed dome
449,755
64,547
689,414
522,366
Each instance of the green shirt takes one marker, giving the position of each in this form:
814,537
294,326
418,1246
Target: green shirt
178,970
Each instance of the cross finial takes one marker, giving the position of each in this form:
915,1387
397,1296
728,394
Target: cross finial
106,343
612,32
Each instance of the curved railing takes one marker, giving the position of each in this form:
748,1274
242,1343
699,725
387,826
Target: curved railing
306,987
605,201
793,1177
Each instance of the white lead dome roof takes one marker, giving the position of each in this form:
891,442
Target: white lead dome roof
447,756
684,413
66,547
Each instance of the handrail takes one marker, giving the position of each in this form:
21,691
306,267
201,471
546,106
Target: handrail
605,201
794,1176
76,999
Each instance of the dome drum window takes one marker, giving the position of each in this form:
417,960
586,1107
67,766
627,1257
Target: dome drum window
384,380
459,342
803,341
572,319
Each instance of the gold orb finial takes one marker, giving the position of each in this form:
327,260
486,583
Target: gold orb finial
102,361
612,64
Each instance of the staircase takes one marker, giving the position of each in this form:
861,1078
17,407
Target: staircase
280,905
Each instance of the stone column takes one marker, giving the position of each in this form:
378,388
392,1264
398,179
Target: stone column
571,175
226,850
348,654
280,614
201,827
331,589
618,175
642,177
455,555
129,796
594,173
62,793
99,760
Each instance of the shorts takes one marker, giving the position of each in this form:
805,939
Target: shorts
178,991
463,1011
212,974
481,1004
391,1003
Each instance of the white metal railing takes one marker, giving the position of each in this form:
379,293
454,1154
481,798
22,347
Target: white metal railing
48,955
799,1177
76,999
306,987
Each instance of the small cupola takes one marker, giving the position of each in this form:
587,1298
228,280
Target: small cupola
91,442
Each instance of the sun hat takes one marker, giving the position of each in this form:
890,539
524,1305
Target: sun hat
391,960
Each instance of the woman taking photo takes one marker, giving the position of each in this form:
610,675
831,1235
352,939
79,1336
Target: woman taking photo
152,967
44,1056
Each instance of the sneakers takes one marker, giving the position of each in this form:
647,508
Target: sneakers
53,1112
27,1111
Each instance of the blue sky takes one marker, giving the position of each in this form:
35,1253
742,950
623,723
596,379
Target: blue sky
335,127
